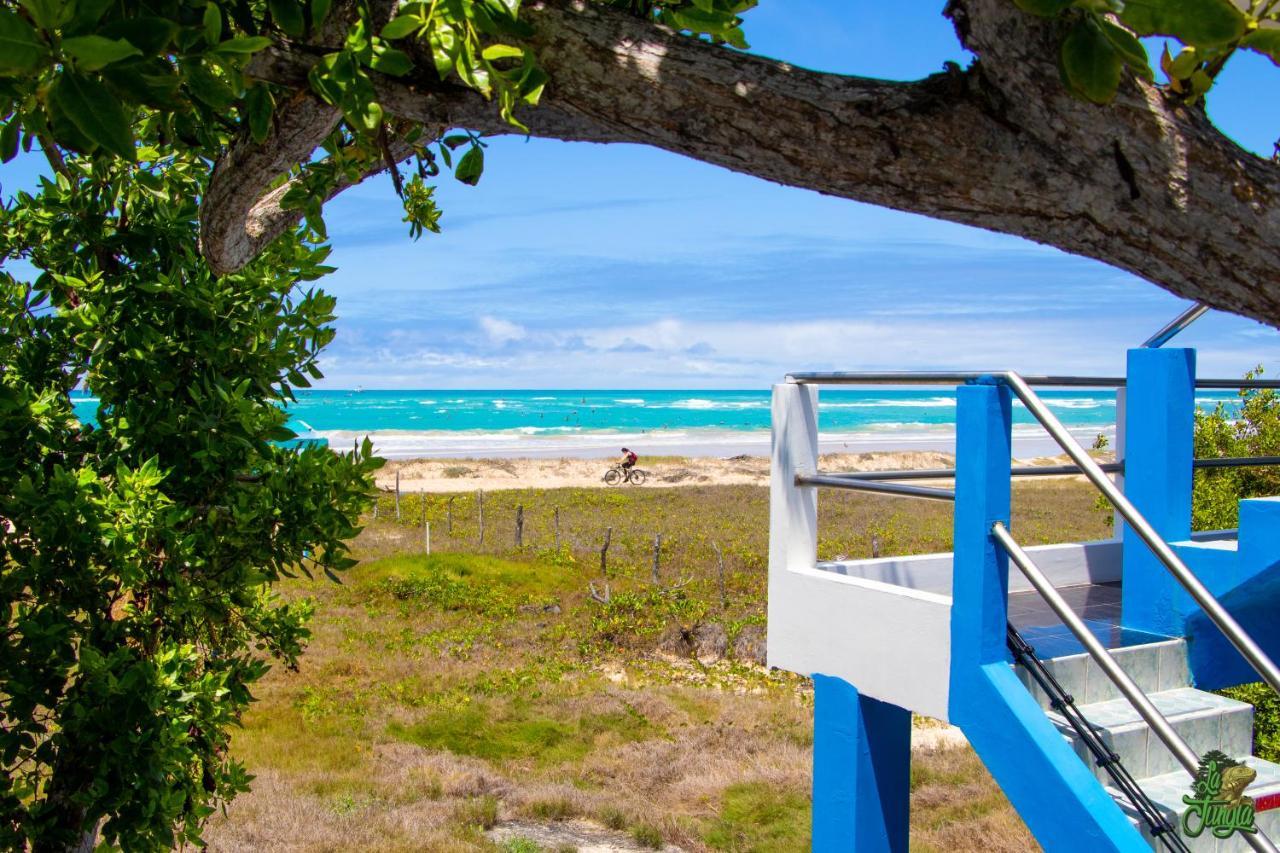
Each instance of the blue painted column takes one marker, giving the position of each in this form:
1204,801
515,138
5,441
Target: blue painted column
980,587
861,771
1058,798
1159,430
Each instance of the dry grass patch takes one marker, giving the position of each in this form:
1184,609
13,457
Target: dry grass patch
442,694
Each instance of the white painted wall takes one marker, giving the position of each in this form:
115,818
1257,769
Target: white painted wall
1068,564
890,642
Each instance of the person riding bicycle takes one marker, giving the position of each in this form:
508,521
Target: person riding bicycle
629,459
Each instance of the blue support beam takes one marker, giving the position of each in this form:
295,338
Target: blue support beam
861,771
1159,437
1060,801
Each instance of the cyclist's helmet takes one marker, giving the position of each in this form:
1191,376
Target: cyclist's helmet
624,450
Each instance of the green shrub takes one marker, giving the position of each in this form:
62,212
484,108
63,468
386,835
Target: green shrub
557,808
635,617
758,816
478,811
520,844
648,836
1252,430
1266,717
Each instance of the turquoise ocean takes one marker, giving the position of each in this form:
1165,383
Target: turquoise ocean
597,423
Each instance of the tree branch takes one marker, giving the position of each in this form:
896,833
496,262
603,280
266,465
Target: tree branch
1145,184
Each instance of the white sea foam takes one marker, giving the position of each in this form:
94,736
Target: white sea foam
931,403
1029,440
630,401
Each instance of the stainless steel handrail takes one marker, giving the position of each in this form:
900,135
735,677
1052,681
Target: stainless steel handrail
1046,470
1159,724
836,481
1175,326
950,473
1226,623
1090,468
1235,461
929,377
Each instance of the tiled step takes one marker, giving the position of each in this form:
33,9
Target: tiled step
1155,667
1166,791
1204,720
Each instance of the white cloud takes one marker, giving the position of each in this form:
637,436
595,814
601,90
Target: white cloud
501,331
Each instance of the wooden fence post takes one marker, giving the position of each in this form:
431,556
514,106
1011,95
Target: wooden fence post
426,536
875,545
557,517
657,555
480,504
448,515
720,572
520,525
604,551
397,494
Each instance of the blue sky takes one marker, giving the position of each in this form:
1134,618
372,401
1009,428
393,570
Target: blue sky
577,265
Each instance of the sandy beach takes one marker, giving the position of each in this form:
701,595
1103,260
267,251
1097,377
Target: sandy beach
468,475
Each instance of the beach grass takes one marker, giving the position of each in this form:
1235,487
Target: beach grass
444,695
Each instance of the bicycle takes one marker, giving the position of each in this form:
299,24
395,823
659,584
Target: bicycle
617,474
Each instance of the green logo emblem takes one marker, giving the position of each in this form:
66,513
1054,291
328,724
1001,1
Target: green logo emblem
1217,801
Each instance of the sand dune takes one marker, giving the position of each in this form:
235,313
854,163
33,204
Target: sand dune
465,475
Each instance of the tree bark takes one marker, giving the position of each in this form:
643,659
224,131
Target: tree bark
1146,183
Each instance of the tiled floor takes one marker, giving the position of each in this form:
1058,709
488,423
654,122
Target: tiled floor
1097,604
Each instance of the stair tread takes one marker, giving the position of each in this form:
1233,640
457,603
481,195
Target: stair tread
1156,643
1167,789
1177,704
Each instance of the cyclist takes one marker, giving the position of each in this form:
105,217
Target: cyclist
629,459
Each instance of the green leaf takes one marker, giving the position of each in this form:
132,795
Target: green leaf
48,14
388,60
444,49
9,139
1043,8
494,52
87,13
1129,48
401,26
94,52
1184,64
288,16
320,11
20,47
212,24
471,166
208,87
95,112
259,105
1090,64
1265,41
1201,23
244,44
148,33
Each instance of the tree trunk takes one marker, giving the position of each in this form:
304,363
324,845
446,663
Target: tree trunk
1146,184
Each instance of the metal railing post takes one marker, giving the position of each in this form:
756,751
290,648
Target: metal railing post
1185,755
1226,623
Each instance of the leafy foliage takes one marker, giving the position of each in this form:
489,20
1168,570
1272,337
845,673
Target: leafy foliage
136,553
1250,429
95,78
1102,39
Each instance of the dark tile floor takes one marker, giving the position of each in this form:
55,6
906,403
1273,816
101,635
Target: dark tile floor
1098,605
